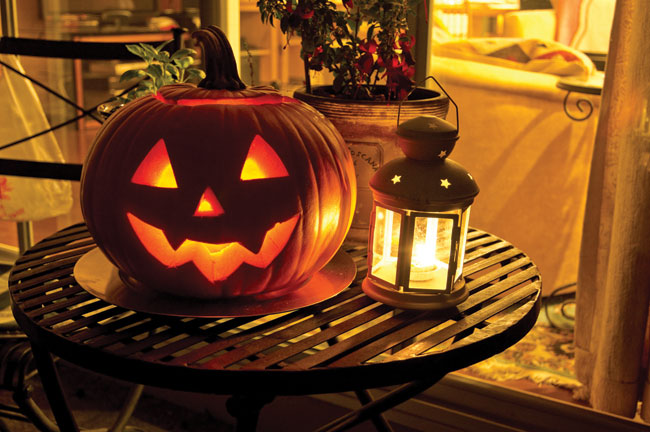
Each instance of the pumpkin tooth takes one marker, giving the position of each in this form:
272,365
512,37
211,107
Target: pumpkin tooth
175,239
215,248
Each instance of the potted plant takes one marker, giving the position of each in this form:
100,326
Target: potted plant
366,47
162,68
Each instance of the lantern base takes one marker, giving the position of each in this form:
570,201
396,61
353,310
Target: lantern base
97,275
412,300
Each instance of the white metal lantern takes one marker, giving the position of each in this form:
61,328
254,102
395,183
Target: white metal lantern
419,222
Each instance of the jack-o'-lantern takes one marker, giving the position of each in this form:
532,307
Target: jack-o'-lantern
218,190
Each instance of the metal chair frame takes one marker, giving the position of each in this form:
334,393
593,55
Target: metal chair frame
16,358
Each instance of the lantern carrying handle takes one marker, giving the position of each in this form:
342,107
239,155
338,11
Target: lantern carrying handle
443,90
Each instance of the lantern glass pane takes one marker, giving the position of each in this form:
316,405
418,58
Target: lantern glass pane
385,244
464,224
431,251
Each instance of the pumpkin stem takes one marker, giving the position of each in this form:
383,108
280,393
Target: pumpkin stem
220,65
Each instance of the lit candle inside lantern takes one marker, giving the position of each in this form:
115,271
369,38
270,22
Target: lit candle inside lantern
430,253
423,259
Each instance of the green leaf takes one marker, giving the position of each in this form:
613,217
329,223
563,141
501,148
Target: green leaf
132,74
162,57
136,50
147,85
163,68
194,74
149,52
173,71
167,80
163,45
141,93
184,62
184,52
131,95
155,71
147,48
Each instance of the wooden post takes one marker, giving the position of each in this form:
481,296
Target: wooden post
420,29
617,366
599,211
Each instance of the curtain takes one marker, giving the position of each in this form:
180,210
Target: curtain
614,274
21,115
567,14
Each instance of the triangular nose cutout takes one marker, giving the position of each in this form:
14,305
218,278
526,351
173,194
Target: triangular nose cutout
209,205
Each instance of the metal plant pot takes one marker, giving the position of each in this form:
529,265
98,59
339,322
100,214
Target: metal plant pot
106,109
369,128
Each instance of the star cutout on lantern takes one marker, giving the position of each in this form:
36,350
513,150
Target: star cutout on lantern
445,183
442,154
396,179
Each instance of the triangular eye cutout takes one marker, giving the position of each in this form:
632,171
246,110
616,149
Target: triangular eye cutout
209,205
262,162
155,169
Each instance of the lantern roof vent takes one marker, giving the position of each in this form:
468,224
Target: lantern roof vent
427,137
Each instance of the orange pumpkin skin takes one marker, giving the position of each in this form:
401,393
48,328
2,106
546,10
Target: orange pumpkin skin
207,135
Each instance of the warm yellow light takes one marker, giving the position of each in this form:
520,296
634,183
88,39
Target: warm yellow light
386,244
252,170
428,271
262,162
204,207
209,205
155,169
424,245
424,262
215,261
166,178
388,235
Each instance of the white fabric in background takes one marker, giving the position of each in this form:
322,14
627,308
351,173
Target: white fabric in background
21,115
595,26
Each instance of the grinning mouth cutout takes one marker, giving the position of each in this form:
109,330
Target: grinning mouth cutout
216,262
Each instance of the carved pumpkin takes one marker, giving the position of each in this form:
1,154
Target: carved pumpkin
218,190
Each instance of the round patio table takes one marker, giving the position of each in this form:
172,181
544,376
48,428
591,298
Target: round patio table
345,343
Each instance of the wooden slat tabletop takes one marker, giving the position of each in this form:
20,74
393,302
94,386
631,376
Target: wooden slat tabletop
344,343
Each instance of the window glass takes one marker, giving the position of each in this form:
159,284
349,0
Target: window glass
386,244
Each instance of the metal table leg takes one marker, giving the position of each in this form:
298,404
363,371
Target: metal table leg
364,397
52,386
62,414
246,410
375,408
378,420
